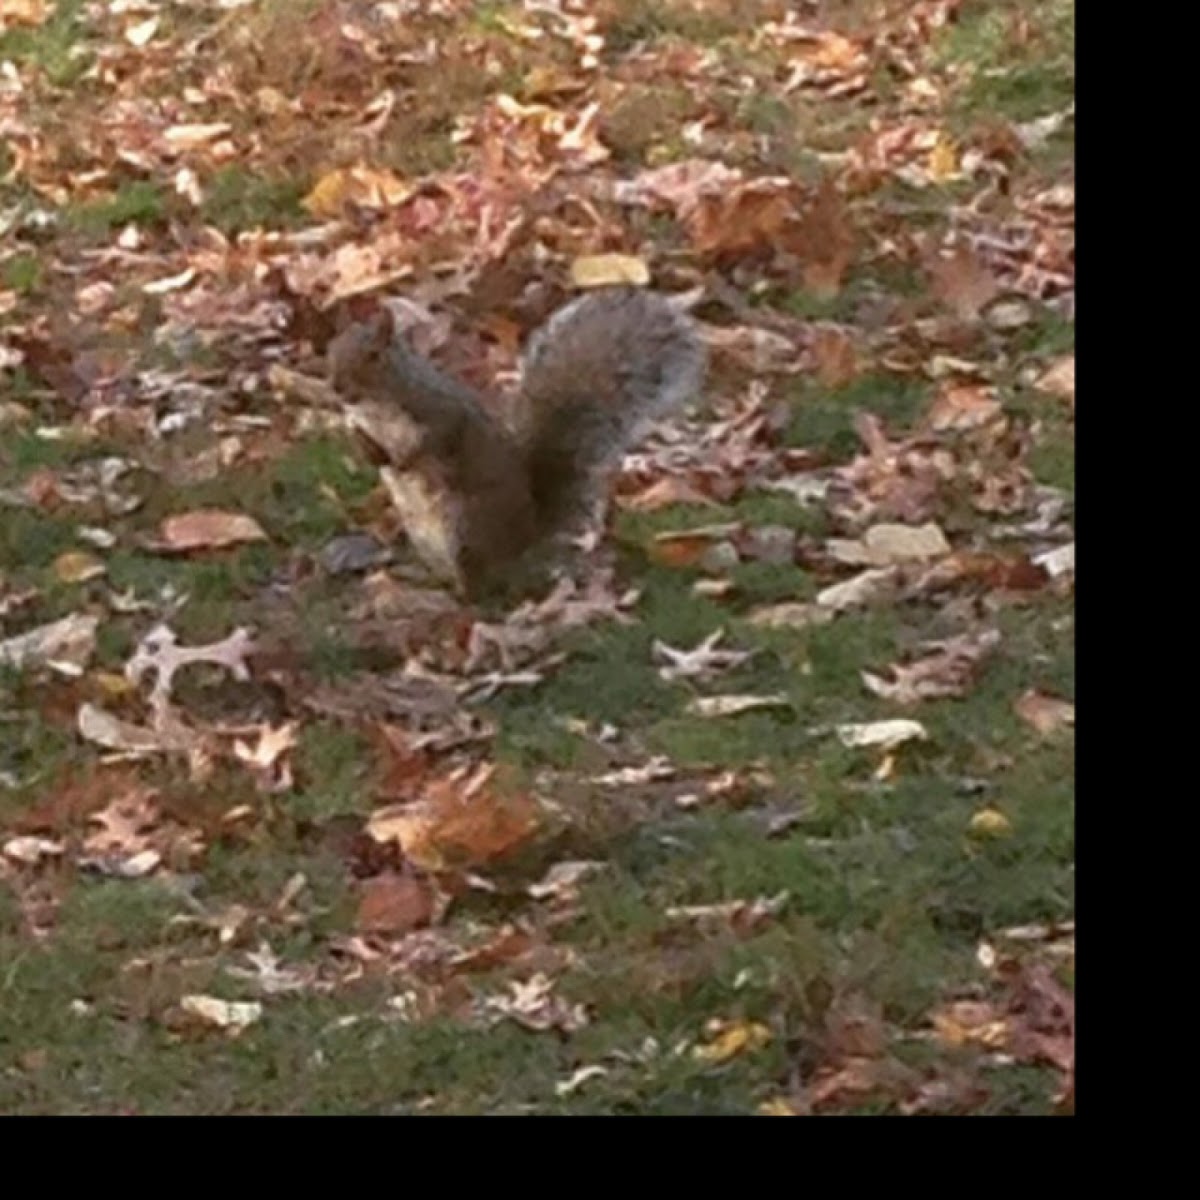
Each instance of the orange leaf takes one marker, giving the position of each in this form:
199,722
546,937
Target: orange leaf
394,903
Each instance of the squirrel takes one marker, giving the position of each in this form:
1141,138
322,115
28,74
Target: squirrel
475,493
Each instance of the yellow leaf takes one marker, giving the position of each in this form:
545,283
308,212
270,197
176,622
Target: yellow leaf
989,823
600,270
360,187
779,1107
77,566
943,160
736,1038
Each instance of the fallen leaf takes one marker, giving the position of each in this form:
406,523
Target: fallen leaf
833,353
743,917
731,706
208,529
963,283
874,586
943,159
532,1004
884,545
393,903
578,1078
159,653
29,850
77,566
1059,379
266,758
702,660
962,406
561,882
989,823
948,671
1047,714
732,1039
1057,562
23,12
460,821
663,493
791,615
141,33
188,137
232,1016
602,270
887,734
356,187
64,646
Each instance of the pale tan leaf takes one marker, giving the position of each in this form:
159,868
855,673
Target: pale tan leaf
1047,714
208,529
601,270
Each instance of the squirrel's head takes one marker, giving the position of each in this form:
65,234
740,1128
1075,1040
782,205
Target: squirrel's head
355,356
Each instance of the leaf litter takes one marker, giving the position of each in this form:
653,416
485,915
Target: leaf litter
242,315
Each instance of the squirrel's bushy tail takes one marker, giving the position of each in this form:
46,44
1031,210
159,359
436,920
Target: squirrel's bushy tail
592,376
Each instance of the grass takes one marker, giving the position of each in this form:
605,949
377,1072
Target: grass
886,890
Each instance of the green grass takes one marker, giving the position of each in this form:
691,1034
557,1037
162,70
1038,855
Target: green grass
235,199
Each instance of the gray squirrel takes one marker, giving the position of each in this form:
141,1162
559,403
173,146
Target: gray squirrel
474,493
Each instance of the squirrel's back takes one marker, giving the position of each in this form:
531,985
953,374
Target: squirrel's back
592,376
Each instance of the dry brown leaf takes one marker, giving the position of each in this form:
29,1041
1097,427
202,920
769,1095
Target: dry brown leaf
461,821
791,615
874,586
159,652
1059,379
686,547
948,671
742,219
671,489
102,728
887,544
834,356
681,185
963,283
1047,714
356,187
395,903
963,406
824,241
532,1004
64,646
207,529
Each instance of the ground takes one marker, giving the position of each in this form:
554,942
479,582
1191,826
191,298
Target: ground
642,843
